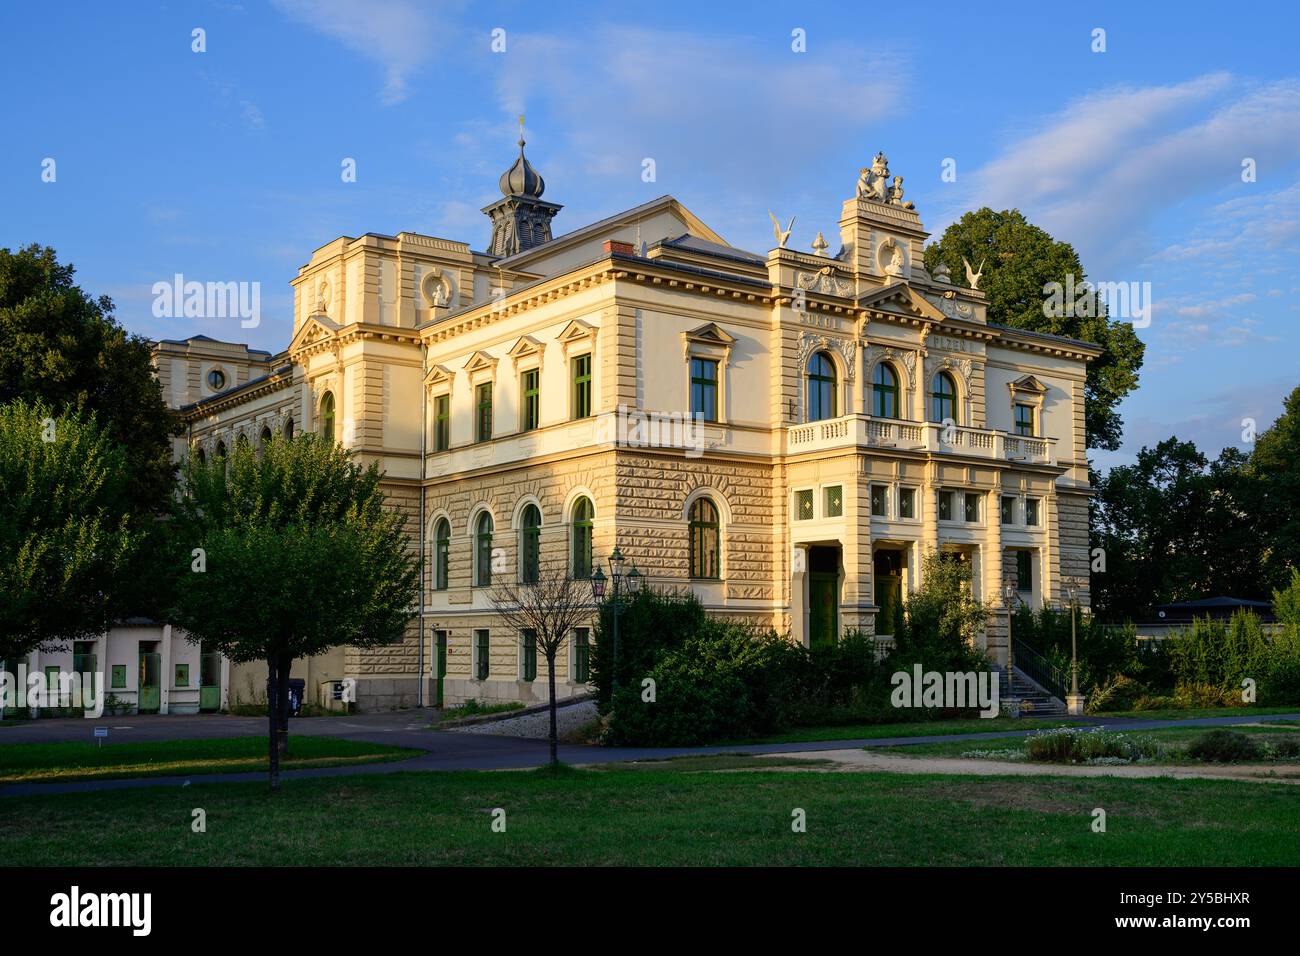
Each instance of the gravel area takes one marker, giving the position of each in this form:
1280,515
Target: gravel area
568,718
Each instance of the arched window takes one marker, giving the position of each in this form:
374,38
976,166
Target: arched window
530,545
821,387
583,514
288,429
203,456
943,398
266,436
241,443
884,392
705,539
483,551
221,449
441,553
327,415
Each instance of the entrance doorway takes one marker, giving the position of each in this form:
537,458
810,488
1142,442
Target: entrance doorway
888,573
823,596
209,680
149,699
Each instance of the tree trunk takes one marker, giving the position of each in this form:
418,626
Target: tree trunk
282,726
550,680
272,702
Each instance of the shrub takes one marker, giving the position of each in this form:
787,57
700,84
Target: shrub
1224,746
1286,747
1118,693
1200,695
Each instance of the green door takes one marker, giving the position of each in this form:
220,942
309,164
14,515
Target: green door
54,703
440,665
823,596
210,682
888,590
150,695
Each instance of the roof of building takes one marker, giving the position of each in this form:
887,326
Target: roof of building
1047,336
237,388
696,244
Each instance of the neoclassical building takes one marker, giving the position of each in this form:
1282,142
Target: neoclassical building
786,433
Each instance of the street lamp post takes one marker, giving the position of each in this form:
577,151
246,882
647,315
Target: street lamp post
1074,701
1010,593
632,582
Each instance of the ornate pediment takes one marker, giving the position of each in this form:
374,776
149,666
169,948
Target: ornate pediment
576,331
825,281
481,361
1028,384
525,345
438,375
318,328
709,334
900,298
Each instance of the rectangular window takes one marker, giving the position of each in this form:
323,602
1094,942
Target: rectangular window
803,505
528,647
907,503
972,507
119,677
1024,419
481,655
442,422
1024,571
1008,510
1031,512
833,506
581,654
531,413
182,675
581,386
483,412
704,389
879,499
945,506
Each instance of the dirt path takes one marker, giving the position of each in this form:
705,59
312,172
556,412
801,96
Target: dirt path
875,760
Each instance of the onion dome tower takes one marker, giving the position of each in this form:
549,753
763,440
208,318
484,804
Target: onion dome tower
520,218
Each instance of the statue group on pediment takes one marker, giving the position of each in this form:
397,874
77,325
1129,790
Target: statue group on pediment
874,184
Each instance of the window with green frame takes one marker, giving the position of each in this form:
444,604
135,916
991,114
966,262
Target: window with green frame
704,389
945,506
822,387
441,422
880,501
705,537
530,389
581,406
581,654
481,652
943,398
907,502
483,551
1031,512
833,503
803,505
119,677
441,553
182,675
972,507
483,412
580,536
528,655
326,416
884,392
1024,419
1008,509
530,545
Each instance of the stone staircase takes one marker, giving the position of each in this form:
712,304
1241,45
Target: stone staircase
1034,701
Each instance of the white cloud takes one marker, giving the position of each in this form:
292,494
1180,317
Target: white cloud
399,35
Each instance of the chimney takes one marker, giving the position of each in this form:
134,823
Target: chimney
622,248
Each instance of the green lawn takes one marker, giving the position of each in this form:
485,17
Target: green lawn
919,728
1189,713
663,817
32,763
1173,737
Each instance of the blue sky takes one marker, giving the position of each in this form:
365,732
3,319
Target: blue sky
225,165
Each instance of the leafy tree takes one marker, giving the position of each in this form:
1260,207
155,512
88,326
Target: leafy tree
549,609
286,553
62,347
1274,472
1019,259
943,618
66,539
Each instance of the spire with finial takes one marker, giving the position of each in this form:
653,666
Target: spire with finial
521,179
520,218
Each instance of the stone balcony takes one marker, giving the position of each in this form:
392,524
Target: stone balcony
863,431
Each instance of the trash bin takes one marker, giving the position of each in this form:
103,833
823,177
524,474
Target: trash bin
296,690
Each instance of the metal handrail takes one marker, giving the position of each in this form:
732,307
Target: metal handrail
1039,669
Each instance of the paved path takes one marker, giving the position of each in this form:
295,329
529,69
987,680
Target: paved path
442,750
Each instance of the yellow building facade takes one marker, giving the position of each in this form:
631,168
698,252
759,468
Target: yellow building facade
785,433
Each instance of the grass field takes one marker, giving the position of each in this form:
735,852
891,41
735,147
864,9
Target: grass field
917,728
654,816
1175,738
46,763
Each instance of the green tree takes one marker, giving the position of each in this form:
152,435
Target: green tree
1019,260
286,553
62,347
1274,471
66,539
942,621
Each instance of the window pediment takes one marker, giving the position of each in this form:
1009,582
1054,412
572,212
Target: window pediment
481,361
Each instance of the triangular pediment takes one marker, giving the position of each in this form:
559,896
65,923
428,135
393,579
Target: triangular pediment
577,330
438,375
710,333
900,298
317,328
1028,384
525,345
480,360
